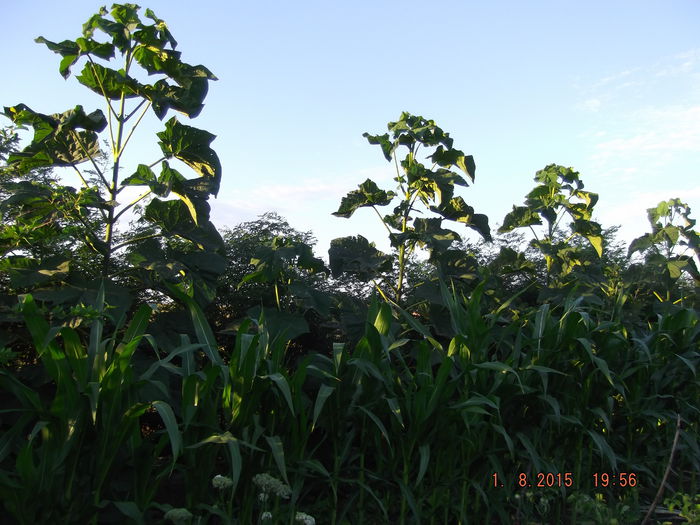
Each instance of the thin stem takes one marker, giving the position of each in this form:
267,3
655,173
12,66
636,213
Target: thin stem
135,110
133,128
80,174
117,152
381,292
131,204
402,263
89,156
158,161
110,111
533,233
556,223
660,492
381,219
137,239
398,175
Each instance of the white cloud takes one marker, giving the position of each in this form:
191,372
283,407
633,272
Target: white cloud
654,132
671,74
681,64
592,104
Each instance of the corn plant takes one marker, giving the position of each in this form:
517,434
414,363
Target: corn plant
82,426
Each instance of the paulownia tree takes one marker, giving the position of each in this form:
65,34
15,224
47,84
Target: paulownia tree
672,246
559,194
172,204
432,186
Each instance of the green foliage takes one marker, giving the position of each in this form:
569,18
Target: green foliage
72,138
661,246
559,193
432,187
687,506
482,365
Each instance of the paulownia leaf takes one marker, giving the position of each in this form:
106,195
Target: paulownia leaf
590,230
126,14
25,272
72,51
69,50
157,60
443,183
509,261
519,217
456,263
383,140
174,217
455,157
108,82
164,97
368,194
116,30
426,232
59,140
458,210
430,233
640,244
273,261
675,267
358,256
191,145
156,34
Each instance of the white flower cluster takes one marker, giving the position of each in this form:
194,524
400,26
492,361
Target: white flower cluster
179,516
270,485
221,482
305,518
267,515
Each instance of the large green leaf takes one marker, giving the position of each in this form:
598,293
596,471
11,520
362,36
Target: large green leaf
170,180
175,217
519,217
71,51
108,82
383,140
59,140
368,194
456,263
429,233
458,210
191,145
26,272
117,31
165,96
356,255
155,59
454,157
591,231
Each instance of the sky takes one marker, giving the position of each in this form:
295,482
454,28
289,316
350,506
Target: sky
611,89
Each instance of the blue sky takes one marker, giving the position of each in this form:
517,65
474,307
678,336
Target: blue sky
609,88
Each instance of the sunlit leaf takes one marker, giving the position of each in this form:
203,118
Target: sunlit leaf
191,145
108,82
368,194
